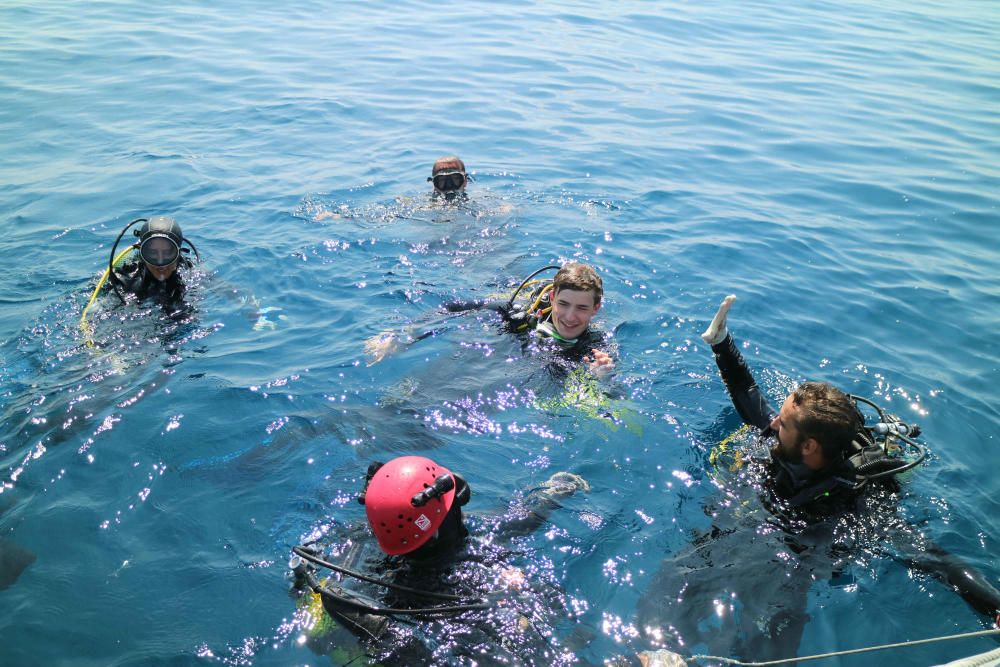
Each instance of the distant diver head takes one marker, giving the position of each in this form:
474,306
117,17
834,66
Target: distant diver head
448,176
407,500
160,240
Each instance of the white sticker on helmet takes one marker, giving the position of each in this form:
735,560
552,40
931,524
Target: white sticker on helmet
422,522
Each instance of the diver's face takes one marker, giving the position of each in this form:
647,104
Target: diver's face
572,311
450,183
162,273
789,436
155,252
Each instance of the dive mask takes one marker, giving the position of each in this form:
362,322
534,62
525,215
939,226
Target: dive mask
159,250
449,180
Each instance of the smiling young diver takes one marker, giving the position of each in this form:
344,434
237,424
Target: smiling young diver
562,311
414,507
559,311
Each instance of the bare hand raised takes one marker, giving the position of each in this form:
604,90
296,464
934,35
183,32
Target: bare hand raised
717,331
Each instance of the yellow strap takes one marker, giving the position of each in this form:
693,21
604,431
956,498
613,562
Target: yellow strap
100,283
541,295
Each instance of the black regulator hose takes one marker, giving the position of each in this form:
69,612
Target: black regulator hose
909,465
313,558
196,255
115,280
527,280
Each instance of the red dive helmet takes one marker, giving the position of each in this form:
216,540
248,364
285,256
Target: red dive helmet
407,500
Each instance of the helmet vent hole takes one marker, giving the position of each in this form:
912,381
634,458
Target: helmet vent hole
400,526
400,516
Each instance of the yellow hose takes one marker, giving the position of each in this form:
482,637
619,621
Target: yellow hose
93,297
541,295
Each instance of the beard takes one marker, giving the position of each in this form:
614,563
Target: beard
791,453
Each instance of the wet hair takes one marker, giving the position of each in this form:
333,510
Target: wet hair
828,415
447,163
581,277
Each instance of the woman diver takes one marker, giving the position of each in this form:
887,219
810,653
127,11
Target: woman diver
161,254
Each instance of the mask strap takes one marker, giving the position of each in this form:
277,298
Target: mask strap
373,468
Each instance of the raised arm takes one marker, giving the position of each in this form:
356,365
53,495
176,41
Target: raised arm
749,402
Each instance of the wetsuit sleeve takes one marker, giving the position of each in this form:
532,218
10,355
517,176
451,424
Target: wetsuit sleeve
749,402
968,582
528,516
475,304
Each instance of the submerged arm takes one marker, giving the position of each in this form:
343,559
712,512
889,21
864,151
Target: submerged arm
948,568
388,342
528,515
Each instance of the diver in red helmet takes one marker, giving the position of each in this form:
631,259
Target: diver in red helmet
414,510
414,506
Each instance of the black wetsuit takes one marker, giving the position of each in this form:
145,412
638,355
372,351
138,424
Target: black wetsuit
136,279
509,632
825,490
739,589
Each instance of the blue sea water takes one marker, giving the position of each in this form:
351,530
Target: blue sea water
835,165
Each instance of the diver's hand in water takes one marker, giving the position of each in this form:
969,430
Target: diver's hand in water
513,578
380,346
717,331
600,363
263,322
565,484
